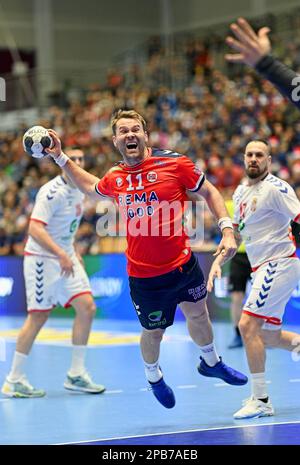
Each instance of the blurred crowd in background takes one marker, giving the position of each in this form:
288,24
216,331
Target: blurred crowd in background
190,105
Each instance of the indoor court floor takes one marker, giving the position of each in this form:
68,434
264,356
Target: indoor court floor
127,413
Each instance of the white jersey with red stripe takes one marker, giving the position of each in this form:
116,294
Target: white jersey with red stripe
59,207
263,213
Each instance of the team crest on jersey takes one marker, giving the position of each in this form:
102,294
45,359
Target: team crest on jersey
119,182
253,205
152,176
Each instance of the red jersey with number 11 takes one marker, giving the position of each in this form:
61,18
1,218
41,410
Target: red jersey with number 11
151,198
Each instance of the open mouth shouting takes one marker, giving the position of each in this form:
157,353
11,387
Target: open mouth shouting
131,145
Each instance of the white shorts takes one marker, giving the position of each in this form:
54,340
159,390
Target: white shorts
272,286
45,287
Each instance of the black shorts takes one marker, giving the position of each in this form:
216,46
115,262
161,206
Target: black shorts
155,299
240,271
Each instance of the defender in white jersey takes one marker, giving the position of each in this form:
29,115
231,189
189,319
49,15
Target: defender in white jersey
54,274
264,208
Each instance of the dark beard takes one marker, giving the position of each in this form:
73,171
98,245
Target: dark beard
255,174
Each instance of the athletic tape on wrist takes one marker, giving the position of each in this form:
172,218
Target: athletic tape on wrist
225,223
61,160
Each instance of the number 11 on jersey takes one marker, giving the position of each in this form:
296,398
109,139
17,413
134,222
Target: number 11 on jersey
140,183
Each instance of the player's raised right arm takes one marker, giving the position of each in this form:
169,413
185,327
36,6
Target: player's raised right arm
82,179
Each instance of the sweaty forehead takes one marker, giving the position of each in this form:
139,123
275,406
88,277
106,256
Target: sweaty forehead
128,123
257,147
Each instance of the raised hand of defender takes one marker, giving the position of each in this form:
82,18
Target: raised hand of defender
251,47
55,150
215,272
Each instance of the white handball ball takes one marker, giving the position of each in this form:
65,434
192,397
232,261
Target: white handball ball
36,140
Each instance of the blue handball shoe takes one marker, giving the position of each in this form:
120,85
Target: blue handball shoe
163,393
222,371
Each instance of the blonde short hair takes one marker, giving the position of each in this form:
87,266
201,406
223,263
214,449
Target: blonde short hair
126,114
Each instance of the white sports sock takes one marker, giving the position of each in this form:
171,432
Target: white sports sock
259,386
17,367
153,372
77,362
210,354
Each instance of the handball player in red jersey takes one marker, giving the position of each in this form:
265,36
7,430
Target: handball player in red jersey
163,272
